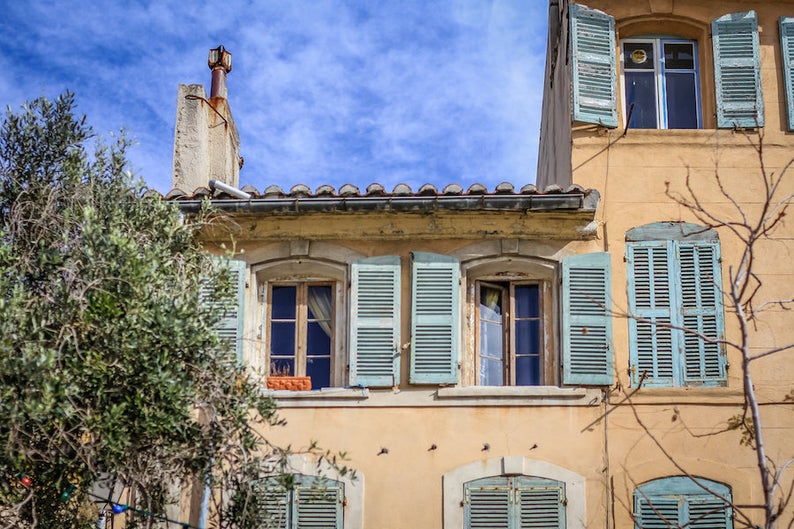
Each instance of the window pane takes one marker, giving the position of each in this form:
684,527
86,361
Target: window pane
491,303
282,366
527,301
527,337
491,339
491,372
679,56
319,369
318,339
638,56
681,100
282,338
282,300
641,91
528,370
320,303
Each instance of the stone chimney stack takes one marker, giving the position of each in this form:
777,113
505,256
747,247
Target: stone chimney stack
206,143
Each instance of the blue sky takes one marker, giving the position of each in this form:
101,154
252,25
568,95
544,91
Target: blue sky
322,92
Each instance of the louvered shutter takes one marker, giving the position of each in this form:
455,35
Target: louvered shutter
593,61
540,506
230,312
375,322
657,512
737,71
435,318
318,506
275,508
701,312
651,341
487,505
707,512
787,50
681,502
587,322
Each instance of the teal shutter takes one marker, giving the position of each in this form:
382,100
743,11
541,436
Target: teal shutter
318,505
737,71
435,318
787,50
680,502
514,502
540,505
487,503
594,66
375,322
230,323
650,283
276,510
587,322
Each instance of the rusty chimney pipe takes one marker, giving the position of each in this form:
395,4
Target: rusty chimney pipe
220,62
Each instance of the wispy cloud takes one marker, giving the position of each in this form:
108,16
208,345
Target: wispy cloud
322,91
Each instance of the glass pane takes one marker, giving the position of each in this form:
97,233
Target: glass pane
682,111
490,303
527,337
491,372
282,338
528,370
638,56
319,369
641,92
679,56
491,339
320,303
527,301
282,366
282,302
318,340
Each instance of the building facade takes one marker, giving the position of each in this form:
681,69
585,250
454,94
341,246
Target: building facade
557,356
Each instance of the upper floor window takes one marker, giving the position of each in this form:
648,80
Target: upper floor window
661,83
675,303
682,501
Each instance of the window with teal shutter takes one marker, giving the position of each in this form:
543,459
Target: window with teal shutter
593,63
375,322
514,502
230,312
435,318
787,50
737,71
675,303
682,502
587,322
312,503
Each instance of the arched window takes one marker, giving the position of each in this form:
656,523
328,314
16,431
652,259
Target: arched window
514,501
682,501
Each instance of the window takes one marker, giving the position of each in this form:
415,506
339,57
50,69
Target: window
513,502
682,502
661,75
300,322
308,501
675,300
661,85
510,326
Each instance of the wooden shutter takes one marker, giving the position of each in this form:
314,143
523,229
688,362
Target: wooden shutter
587,323
275,507
540,506
230,312
737,71
650,273
375,322
680,502
657,512
487,503
435,318
707,512
318,505
787,50
593,66
701,313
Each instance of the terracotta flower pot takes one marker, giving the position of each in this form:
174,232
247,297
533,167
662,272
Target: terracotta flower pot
290,383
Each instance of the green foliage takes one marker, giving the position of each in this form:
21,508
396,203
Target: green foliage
109,364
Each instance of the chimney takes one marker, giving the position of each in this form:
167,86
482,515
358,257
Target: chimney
206,143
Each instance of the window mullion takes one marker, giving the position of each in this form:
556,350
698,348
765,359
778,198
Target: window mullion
509,335
661,88
301,325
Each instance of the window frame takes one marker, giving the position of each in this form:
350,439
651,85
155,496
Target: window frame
660,82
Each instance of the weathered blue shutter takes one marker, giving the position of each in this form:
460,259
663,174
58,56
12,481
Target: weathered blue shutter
737,71
375,322
276,506
787,50
487,504
230,323
587,322
651,283
593,62
680,502
701,312
541,504
435,318
657,512
318,505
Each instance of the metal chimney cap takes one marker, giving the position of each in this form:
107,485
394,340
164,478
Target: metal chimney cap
220,58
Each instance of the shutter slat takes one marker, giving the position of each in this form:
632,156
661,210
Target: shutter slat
587,325
737,71
787,49
593,66
375,322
